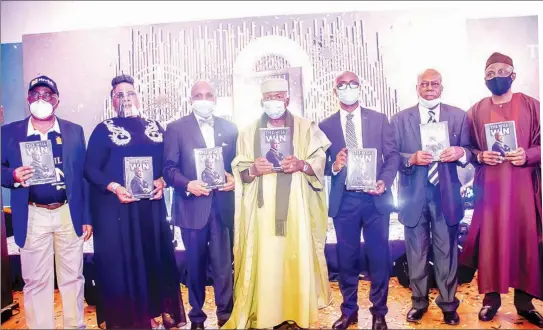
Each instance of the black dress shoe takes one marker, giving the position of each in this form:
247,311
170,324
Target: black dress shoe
220,323
533,317
197,325
378,323
415,315
451,318
344,321
487,313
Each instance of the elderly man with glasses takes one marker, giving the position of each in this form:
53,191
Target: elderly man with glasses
50,220
356,127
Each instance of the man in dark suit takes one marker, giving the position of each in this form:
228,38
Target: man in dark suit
209,175
273,155
355,127
205,217
499,146
138,185
48,219
430,205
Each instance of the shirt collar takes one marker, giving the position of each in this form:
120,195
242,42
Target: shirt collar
32,131
202,118
343,113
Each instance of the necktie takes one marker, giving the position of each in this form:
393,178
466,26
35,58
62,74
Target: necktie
433,175
203,122
350,132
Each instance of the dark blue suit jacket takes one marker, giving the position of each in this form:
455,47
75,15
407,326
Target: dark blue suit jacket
376,133
73,157
181,138
414,180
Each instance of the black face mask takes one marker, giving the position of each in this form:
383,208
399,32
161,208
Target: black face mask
499,85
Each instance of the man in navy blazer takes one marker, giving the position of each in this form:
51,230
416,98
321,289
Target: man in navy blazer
429,196
206,217
48,219
355,127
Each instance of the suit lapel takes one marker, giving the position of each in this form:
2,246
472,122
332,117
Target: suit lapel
67,143
444,116
365,129
217,131
197,133
414,120
336,121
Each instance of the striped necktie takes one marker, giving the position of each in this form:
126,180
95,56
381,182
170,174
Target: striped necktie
433,175
350,132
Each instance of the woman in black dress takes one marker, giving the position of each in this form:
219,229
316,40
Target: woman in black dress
133,250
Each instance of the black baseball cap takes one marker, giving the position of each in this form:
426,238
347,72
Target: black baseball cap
43,81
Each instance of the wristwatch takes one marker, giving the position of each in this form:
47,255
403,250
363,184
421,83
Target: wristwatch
306,167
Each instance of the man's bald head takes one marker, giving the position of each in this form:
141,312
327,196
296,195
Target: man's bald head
203,90
346,77
429,85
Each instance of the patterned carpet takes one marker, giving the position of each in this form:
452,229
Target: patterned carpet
398,303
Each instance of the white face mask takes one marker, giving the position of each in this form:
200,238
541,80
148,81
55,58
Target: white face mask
129,111
41,109
274,108
203,108
348,96
428,104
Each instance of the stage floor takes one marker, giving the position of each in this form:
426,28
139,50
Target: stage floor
399,303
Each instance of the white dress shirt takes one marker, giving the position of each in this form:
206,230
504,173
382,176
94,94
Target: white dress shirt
425,116
208,132
43,136
357,121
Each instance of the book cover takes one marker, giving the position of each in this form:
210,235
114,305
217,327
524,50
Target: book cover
275,145
39,155
210,167
435,138
138,176
501,137
361,169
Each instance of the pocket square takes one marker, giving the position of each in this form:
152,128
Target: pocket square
224,144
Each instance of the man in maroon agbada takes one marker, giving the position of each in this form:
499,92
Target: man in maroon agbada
504,239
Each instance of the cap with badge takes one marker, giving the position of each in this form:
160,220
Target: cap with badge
43,81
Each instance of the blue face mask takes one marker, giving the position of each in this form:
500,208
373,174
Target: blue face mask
499,85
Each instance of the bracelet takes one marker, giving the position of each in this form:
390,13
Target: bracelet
250,174
114,187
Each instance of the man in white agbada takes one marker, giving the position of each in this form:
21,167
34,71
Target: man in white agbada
280,223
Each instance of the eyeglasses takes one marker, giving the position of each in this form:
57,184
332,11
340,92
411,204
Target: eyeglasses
352,85
434,84
501,73
45,96
121,95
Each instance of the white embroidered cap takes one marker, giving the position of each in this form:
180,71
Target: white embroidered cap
274,85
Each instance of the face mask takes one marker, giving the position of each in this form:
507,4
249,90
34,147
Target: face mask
429,104
129,111
203,108
41,109
348,96
274,108
499,85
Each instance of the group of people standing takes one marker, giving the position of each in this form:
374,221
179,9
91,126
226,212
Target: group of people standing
263,232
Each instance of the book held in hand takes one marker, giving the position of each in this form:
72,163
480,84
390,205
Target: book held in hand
275,145
138,176
210,167
361,169
501,137
39,155
435,138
